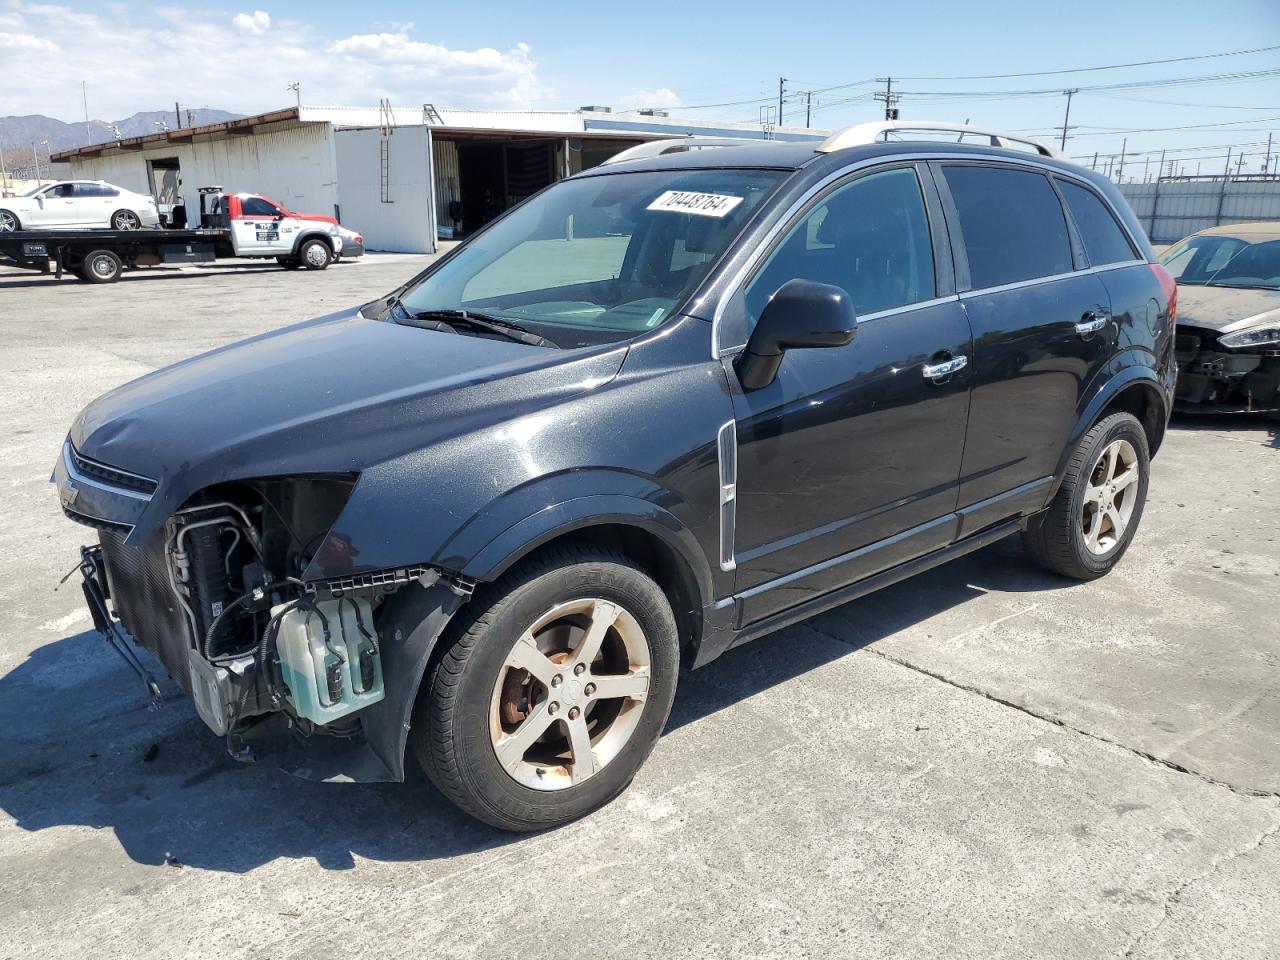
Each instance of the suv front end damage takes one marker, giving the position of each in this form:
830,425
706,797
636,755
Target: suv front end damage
218,595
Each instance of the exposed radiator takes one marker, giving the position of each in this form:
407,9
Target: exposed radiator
143,600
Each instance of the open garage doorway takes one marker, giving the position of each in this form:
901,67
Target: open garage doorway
479,175
493,177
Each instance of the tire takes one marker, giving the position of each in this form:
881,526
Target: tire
314,254
125,220
101,266
9,221
289,263
1076,536
474,700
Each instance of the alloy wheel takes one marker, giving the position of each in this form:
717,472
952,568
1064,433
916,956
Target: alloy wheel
126,220
1109,497
570,694
8,222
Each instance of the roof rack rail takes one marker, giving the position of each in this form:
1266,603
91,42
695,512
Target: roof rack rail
882,130
660,148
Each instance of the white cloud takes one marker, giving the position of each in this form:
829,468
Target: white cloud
25,41
661,99
242,63
256,23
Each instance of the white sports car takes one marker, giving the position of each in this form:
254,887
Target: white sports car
78,204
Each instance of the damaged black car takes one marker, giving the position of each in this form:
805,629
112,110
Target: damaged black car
659,409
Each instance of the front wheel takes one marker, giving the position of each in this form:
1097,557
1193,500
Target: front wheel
125,220
1092,519
9,222
551,692
314,255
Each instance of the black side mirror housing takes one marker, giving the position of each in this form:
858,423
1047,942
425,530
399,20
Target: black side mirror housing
801,313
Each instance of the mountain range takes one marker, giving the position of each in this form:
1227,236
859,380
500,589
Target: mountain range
19,133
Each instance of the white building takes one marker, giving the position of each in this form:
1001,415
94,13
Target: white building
400,176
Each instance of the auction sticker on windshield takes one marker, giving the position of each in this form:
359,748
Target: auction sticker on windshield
702,204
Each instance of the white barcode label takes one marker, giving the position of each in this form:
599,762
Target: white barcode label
702,204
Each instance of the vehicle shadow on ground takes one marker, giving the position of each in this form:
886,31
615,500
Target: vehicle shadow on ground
80,748
138,276
1247,424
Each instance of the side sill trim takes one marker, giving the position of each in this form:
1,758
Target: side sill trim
874,582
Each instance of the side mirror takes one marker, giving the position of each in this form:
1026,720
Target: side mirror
802,313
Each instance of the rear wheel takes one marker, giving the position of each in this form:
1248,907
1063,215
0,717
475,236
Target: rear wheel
314,255
552,692
1093,517
125,220
9,221
101,266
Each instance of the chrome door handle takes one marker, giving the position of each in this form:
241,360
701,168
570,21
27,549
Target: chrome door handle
1093,321
936,371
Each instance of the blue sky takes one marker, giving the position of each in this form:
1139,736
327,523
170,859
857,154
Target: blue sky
240,56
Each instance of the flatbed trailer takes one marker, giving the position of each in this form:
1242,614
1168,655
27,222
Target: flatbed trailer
100,256
232,225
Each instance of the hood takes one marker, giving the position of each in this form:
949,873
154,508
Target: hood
312,216
1225,309
332,395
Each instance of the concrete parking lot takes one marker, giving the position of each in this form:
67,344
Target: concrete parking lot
985,761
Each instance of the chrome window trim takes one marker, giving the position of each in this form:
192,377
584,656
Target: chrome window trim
727,470
1019,284
784,221
80,478
1118,265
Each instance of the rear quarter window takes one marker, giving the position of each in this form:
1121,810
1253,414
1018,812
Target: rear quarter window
1011,222
1104,241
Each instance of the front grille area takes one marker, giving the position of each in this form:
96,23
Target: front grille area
110,475
98,524
138,579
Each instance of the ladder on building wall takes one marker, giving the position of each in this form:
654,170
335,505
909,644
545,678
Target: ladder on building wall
387,121
430,115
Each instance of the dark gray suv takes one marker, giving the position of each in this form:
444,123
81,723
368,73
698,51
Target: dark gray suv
657,410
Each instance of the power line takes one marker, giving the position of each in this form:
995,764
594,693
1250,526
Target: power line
1111,66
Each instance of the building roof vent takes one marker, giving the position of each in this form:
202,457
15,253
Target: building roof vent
652,112
596,109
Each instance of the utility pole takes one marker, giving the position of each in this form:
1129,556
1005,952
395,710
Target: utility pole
296,87
35,158
890,98
84,92
4,174
781,85
808,109
1266,164
1067,116
1239,164
1094,165
177,115
1146,167
1124,145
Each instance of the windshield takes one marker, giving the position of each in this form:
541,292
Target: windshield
34,190
1197,259
599,258
1257,265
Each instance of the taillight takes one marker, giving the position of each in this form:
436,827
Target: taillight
1170,288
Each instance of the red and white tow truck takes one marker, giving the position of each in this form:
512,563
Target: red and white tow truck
231,225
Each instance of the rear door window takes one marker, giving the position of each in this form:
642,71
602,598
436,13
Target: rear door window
1012,224
1104,241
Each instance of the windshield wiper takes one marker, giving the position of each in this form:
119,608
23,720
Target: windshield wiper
478,321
